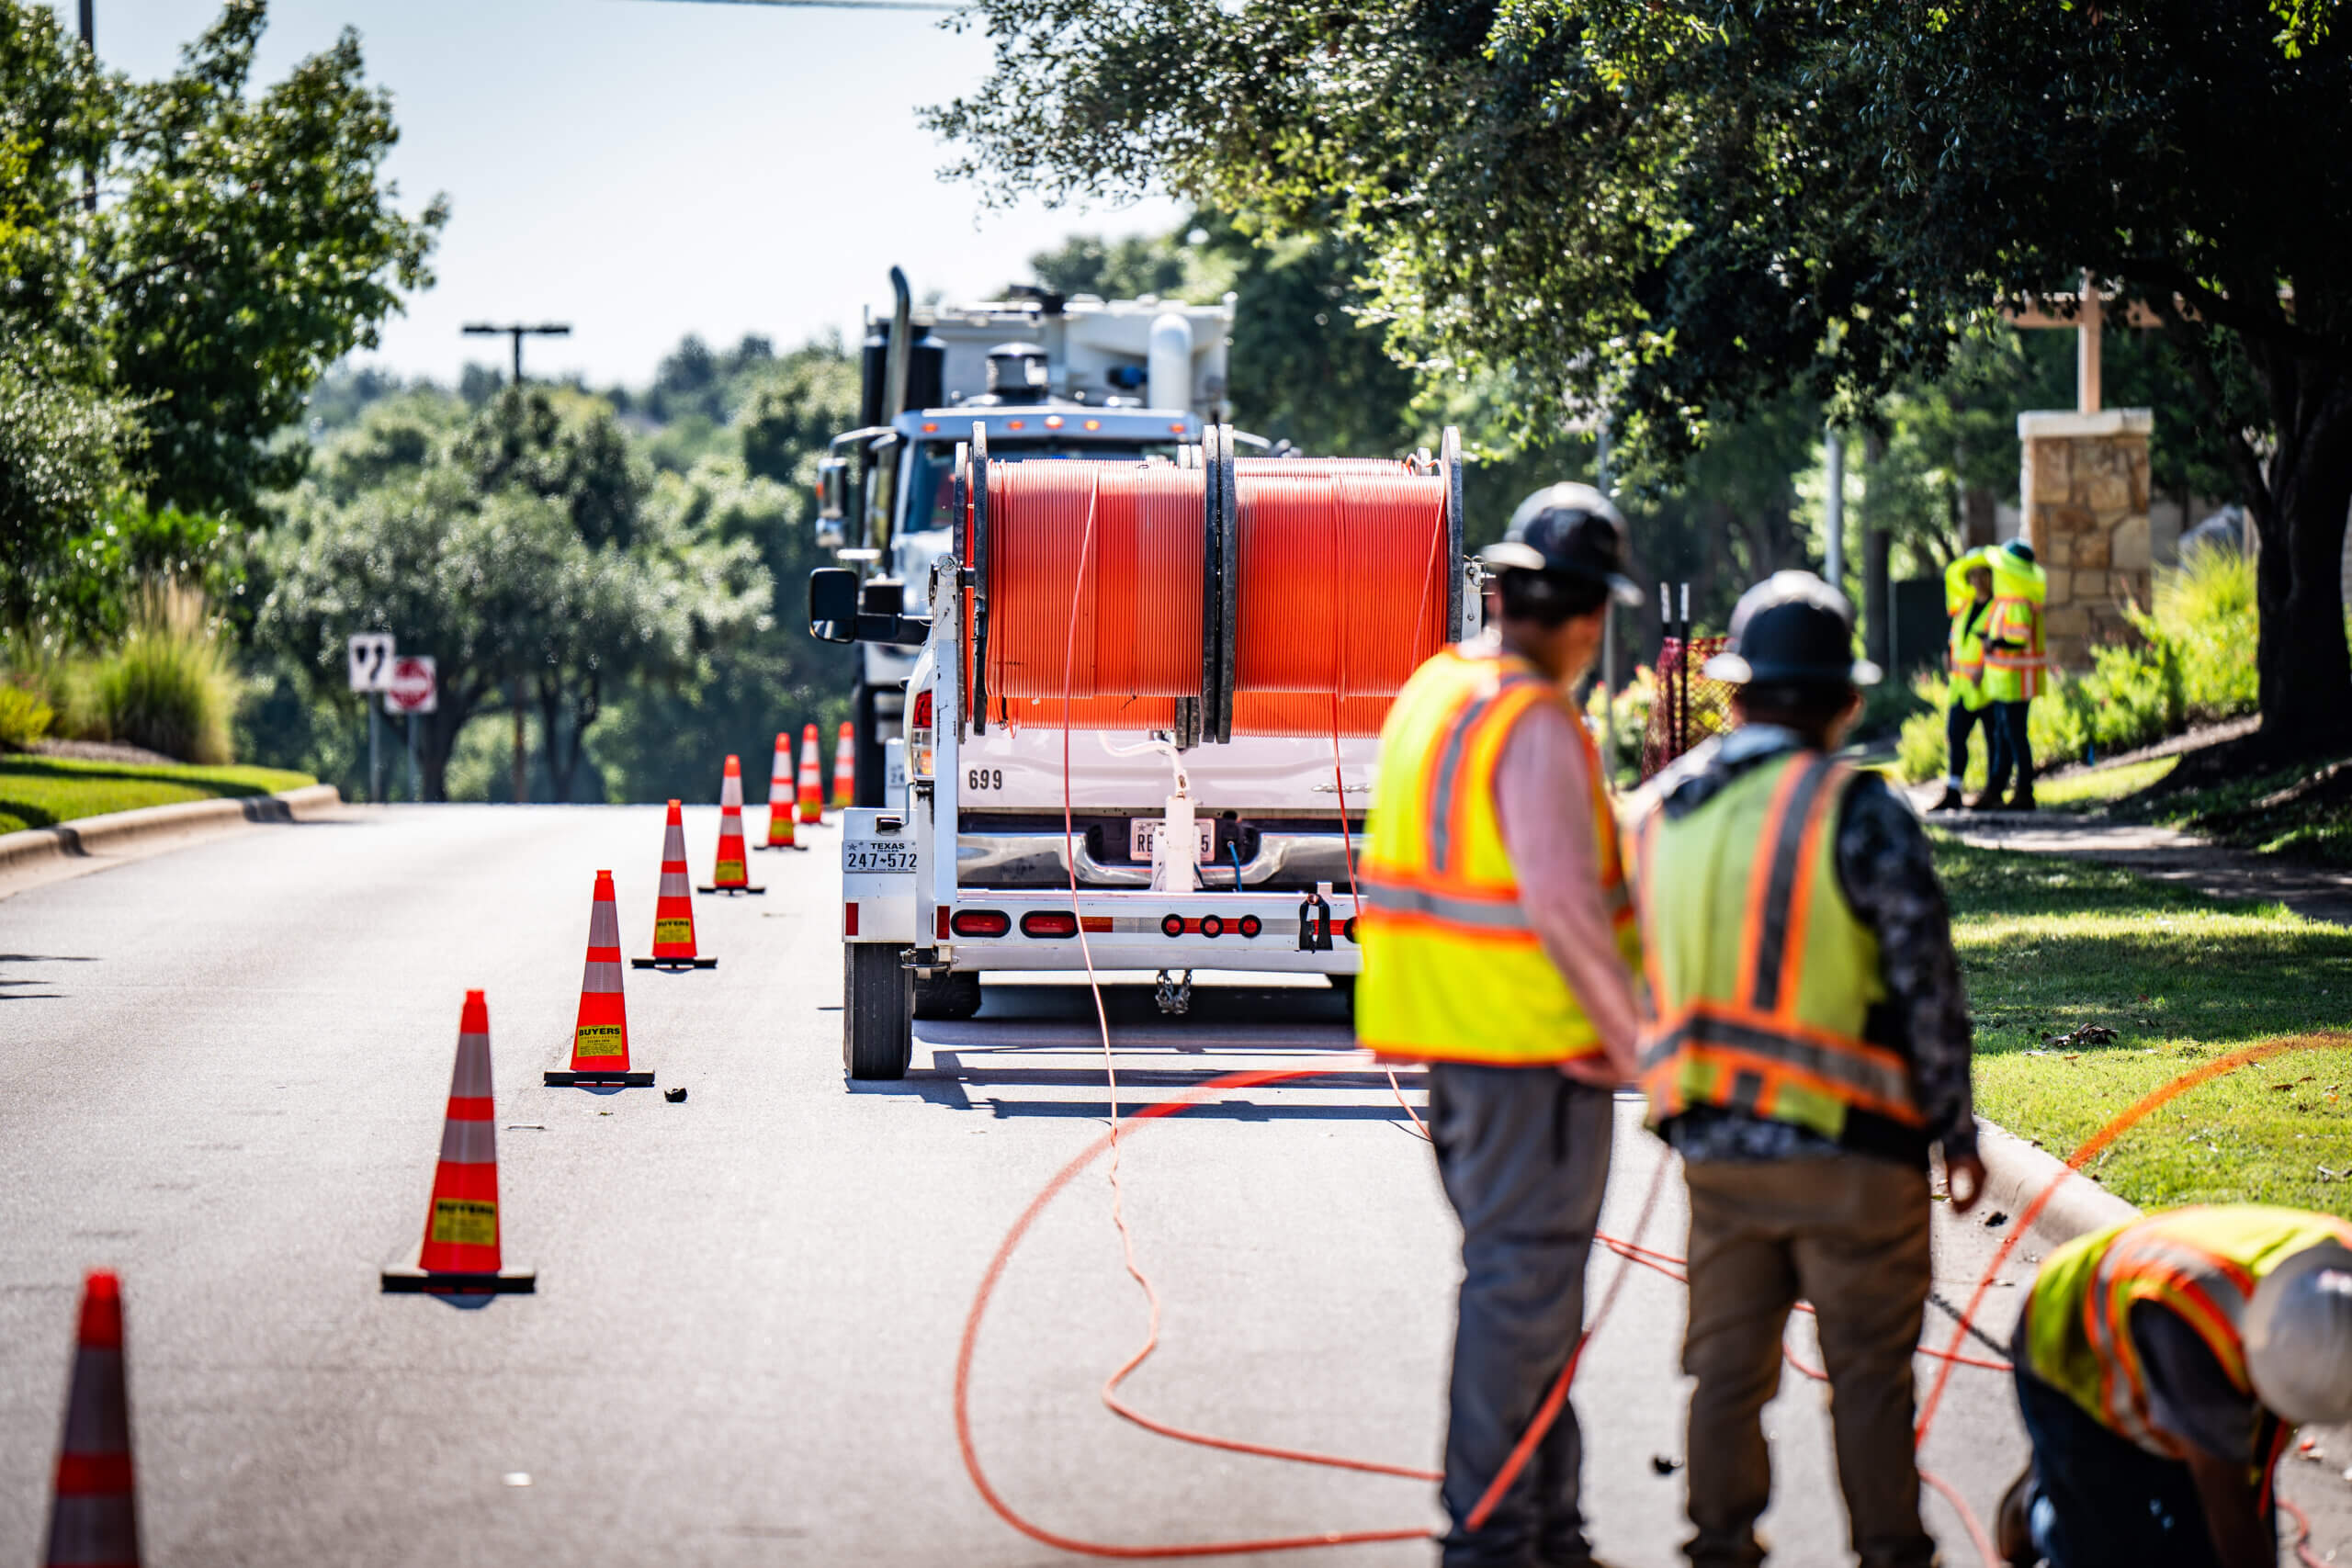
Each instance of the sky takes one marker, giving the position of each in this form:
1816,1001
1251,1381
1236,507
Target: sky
643,169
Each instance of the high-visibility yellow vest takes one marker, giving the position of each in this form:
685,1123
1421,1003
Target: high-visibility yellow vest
1452,968
1969,621
1762,975
2013,654
2200,1264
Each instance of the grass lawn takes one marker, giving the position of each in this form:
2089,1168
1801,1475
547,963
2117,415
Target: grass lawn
2098,787
2050,945
37,791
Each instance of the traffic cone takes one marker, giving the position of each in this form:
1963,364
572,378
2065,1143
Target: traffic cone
812,800
727,876
94,1517
459,1255
600,1038
844,772
673,912
780,797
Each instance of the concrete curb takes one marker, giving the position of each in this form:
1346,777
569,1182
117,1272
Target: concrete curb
2016,1172
119,830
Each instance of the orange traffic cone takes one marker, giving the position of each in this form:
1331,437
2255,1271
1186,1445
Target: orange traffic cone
812,799
780,796
728,875
844,772
600,1038
459,1255
94,1517
673,910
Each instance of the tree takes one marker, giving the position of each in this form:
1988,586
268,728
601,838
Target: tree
252,243
1680,211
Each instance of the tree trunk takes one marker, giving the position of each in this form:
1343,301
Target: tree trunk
440,736
2305,668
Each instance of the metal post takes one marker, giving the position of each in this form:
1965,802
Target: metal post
375,754
1834,518
416,791
90,42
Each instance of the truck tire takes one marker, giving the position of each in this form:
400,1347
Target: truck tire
877,1023
956,994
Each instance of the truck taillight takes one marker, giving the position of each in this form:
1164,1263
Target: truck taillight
919,727
1049,922
980,922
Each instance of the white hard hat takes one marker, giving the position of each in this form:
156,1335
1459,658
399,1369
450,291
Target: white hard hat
2299,1337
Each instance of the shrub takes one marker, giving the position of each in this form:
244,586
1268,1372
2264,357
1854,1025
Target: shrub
169,686
24,718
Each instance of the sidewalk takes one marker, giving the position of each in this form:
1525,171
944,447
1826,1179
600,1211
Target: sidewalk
2161,854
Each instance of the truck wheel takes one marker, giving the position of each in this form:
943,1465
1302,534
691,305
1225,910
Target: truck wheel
877,1026
956,994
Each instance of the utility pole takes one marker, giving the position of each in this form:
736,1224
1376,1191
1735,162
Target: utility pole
1833,565
518,331
90,42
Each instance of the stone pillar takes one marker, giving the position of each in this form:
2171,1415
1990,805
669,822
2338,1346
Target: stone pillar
2084,489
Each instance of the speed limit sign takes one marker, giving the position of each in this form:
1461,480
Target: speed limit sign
370,654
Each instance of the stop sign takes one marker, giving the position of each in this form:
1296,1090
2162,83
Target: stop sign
414,688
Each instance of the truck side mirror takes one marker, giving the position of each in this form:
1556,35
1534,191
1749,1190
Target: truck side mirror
833,490
833,604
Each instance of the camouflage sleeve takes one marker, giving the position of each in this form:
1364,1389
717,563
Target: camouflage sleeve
1888,873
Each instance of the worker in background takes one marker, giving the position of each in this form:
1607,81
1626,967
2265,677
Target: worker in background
1968,600
1806,1045
1498,946
2013,666
2162,1367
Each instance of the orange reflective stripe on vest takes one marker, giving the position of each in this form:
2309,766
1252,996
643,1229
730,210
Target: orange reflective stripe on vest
1736,1023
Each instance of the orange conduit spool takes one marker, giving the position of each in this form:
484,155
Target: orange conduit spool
1335,574
1137,647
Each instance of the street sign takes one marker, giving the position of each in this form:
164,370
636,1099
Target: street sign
372,661
414,686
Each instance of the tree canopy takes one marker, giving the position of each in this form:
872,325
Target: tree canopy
1676,213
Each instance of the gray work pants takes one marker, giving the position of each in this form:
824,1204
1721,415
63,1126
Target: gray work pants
1524,1153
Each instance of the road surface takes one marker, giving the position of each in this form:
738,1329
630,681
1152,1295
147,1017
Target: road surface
225,1069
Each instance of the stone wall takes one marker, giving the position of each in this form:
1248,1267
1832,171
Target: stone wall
2084,492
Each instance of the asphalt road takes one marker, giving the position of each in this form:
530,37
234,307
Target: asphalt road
224,1069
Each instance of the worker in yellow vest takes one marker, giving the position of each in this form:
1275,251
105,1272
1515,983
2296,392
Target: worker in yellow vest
1497,947
1806,1045
1968,600
2162,1367
2014,665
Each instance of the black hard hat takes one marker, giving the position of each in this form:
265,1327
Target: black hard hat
2020,549
1794,627
1568,530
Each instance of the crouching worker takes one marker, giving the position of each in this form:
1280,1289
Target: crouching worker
1808,1044
2162,1366
1497,944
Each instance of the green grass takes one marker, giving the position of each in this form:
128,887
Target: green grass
37,791
2101,786
2049,945
2311,822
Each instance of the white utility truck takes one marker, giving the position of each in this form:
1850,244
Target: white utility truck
1189,847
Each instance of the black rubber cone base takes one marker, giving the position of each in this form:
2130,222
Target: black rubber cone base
558,1078
410,1280
730,889
779,846
673,963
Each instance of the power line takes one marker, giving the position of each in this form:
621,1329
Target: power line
838,4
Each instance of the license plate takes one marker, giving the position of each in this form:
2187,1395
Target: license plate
877,857
1144,832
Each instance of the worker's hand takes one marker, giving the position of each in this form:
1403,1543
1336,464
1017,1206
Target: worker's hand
1596,1071
1964,1181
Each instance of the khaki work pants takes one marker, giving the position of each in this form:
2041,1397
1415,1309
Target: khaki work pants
1848,1234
